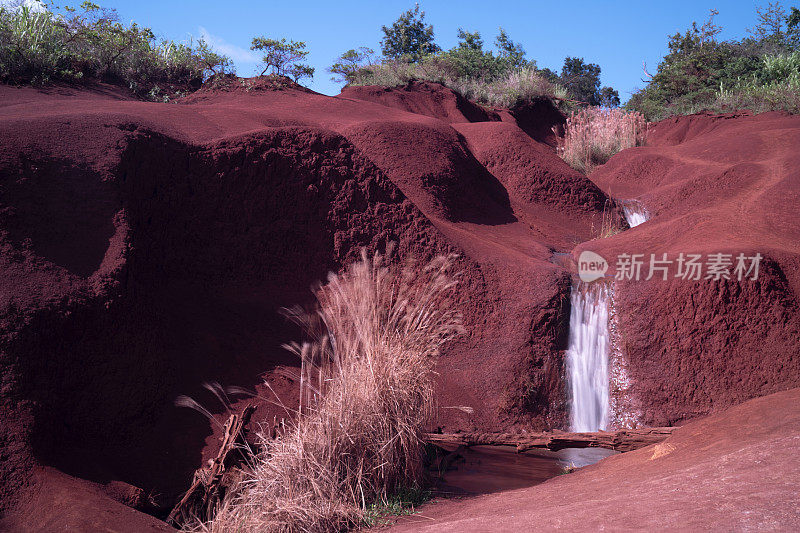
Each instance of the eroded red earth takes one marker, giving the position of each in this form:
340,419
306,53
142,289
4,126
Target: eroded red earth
147,248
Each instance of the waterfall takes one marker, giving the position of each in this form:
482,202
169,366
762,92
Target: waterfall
635,213
587,357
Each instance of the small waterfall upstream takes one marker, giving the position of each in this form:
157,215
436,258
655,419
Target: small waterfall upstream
634,212
588,357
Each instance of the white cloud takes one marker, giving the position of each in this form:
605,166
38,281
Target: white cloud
237,53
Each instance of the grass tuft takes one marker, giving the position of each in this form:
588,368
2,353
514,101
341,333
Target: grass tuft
401,503
354,452
593,135
38,46
515,87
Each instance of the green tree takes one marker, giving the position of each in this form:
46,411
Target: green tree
581,79
608,97
283,57
349,63
469,60
211,62
793,28
472,61
550,75
409,38
469,41
771,22
776,30
510,52
697,65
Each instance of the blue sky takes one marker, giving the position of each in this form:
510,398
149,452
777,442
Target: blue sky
617,35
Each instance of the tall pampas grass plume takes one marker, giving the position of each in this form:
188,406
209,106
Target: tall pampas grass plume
366,388
593,135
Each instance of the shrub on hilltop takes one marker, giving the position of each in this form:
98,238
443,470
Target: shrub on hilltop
38,46
501,77
701,73
283,58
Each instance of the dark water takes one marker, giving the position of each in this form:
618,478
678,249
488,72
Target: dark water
487,469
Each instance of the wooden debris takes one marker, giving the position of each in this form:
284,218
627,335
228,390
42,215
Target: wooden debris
623,440
211,482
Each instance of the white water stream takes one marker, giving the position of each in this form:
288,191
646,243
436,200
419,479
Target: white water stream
635,213
588,355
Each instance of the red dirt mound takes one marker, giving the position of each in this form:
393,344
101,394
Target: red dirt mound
736,470
148,248
538,119
57,502
423,98
730,187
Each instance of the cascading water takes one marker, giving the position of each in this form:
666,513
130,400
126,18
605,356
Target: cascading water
587,357
635,213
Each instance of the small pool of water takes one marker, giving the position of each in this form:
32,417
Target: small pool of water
583,456
488,469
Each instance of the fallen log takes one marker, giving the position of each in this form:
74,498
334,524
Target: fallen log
209,483
623,440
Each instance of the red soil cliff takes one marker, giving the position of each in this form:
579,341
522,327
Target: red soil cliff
712,184
147,248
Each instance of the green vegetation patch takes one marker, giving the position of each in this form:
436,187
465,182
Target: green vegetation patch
90,43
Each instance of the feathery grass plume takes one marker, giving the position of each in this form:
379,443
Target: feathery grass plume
366,391
593,135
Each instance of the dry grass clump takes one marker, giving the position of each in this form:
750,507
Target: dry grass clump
366,391
517,86
778,96
609,224
593,135
394,73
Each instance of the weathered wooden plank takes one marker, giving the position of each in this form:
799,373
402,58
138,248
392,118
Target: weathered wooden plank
623,440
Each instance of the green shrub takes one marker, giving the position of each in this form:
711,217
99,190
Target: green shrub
758,99
582,80
781,68
700,73
351,62
505,79
513,88
773,87
39,47
282,58
469,60
408,38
